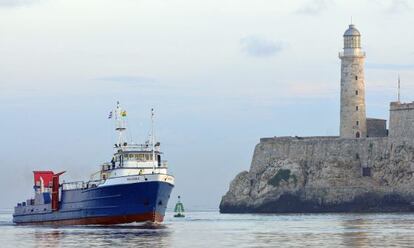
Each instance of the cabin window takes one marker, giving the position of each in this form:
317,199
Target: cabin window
159,160
356,108
357,123
356,92
356,77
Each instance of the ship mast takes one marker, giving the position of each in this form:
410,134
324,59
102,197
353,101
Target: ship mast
120,123
152,139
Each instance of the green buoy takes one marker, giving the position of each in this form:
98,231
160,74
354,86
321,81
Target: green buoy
179,209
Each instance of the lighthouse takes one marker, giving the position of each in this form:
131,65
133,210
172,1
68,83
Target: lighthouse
352,117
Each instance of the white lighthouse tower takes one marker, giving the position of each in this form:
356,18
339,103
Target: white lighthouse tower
353,116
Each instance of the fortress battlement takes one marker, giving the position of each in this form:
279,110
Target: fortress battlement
288,138
395,106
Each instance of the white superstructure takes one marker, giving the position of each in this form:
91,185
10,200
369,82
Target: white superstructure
132,162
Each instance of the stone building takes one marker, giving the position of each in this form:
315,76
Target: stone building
353,119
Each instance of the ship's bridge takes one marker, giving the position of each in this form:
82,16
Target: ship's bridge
133,159
137,155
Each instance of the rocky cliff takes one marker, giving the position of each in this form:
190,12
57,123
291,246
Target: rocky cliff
325,174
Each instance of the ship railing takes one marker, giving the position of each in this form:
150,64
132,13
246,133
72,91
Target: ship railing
73,185
81,184
137,147
94,183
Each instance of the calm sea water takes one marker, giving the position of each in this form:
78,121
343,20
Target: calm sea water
211,229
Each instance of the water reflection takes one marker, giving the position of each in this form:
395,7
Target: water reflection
125,236
211,229
378,230
355,233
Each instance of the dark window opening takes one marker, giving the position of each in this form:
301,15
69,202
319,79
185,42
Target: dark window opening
356,92
357,123
159,160
356,108
357,156
357,135
160,203
366,172
356,77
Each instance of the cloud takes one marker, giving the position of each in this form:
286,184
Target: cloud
15,3
314,7
390,66
128,79
398,7
256,46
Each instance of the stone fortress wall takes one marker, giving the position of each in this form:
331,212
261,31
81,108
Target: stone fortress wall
401,120
325,174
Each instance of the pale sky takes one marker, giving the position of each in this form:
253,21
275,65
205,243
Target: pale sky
221,74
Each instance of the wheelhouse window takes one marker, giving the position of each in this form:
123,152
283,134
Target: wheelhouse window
148,157
140,157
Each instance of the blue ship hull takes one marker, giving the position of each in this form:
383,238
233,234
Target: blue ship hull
114,204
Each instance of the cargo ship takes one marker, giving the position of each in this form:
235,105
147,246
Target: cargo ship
133,187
